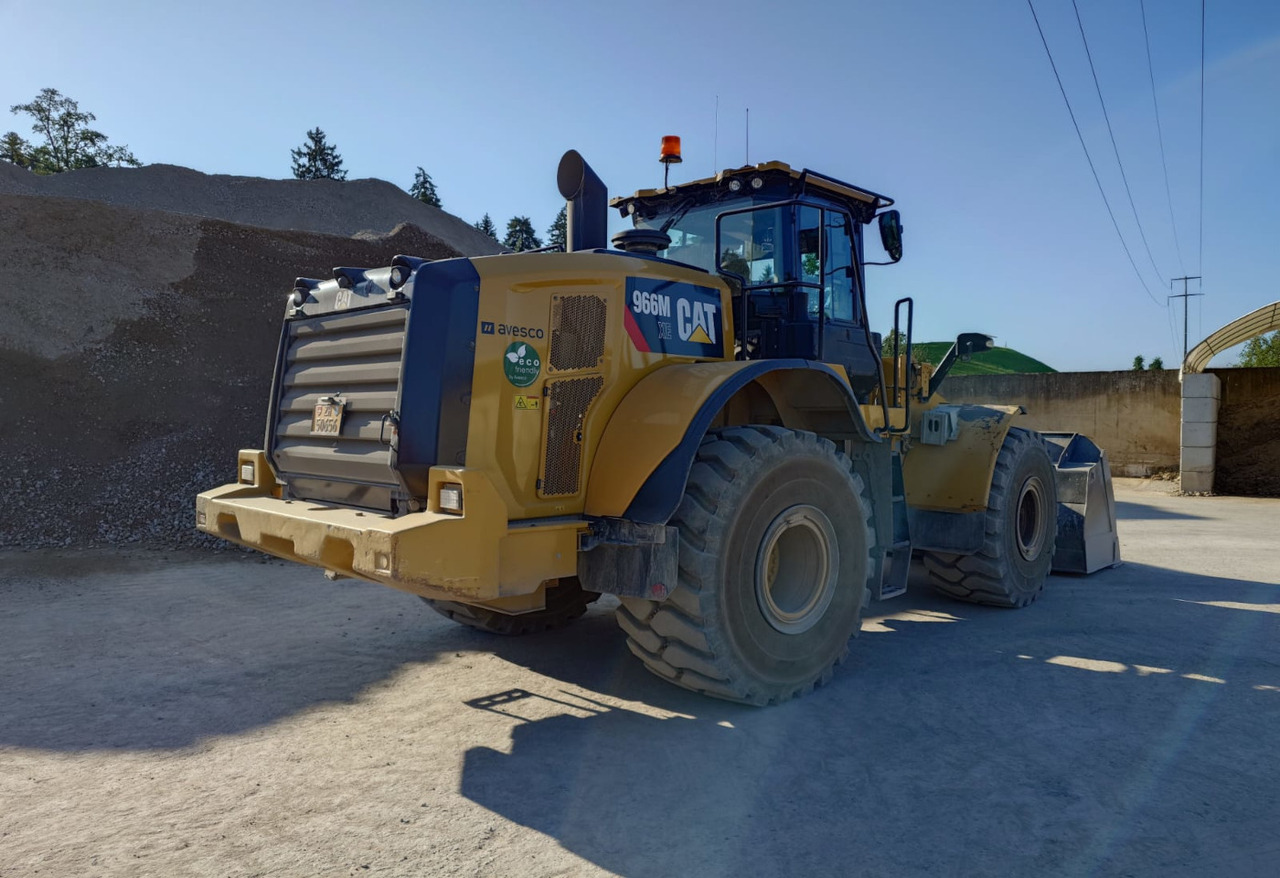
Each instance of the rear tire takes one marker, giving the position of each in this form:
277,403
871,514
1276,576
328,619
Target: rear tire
566,601
775,545
1021,530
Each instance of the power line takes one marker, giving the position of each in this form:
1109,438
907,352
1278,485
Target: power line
1123,177
1160,135
1200,257
1089,158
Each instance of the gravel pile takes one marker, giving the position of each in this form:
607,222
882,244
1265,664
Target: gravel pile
136,354
329,206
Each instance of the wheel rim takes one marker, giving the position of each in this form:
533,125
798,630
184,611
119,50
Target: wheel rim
1029,526
796,569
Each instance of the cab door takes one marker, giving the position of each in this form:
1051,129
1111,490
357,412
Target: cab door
827,260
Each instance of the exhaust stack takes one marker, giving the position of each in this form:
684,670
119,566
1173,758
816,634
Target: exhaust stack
587,208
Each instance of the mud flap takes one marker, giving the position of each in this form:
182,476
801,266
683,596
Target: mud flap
629,560
1087,538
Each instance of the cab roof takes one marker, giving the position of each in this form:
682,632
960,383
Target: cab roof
777,178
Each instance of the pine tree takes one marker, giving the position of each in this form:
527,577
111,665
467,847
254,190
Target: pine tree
15,150
557,235
486,225
317,159
520,235
424,189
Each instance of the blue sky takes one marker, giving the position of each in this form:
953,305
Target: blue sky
949,107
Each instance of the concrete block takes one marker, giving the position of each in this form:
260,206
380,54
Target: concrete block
1199,435
1197,460
1203,410
1201,384
1197,483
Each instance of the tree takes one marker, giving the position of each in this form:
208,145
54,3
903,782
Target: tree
1157,363
520,235
15,150
1261,351
1139,363
486,225
317,159
69,142
557,235
886,346
424,189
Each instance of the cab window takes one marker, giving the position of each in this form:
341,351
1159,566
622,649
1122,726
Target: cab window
826,259
837,266
751,245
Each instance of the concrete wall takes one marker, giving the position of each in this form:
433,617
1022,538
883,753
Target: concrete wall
1134,416
1201,396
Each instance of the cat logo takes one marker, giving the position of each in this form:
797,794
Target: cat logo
696,321
673,317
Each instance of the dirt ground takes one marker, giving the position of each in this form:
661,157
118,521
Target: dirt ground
183,714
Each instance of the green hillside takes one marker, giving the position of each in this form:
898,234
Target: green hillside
997,361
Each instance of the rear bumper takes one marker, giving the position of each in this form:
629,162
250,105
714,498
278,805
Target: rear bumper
478,556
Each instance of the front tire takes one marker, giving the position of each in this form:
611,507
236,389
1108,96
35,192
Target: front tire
1021,530
775,546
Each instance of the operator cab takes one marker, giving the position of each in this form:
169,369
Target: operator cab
790,244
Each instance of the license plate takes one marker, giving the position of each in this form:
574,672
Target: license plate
326,419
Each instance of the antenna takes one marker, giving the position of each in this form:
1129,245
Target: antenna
748,135
715,143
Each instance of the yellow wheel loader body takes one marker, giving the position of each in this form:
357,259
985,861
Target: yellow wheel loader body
520,433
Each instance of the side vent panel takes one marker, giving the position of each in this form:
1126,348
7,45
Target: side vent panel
567,401
577,332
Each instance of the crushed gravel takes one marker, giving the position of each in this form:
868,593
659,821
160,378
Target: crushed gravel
136,352
329,206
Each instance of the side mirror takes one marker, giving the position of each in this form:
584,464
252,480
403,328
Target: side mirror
891,234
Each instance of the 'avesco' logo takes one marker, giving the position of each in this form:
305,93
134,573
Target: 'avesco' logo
489,327
673,318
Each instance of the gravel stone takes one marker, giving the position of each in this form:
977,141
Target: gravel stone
136,353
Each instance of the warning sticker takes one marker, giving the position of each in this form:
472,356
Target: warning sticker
667,317
528,403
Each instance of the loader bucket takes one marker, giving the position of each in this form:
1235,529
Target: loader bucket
1087,539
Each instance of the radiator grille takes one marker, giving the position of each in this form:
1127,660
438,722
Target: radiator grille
356,357
577,332
567,402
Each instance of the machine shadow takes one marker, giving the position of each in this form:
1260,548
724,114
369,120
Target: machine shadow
943,710
1129,510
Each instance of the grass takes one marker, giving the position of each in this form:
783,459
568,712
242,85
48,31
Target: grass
997,361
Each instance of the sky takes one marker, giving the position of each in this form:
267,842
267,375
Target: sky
948,106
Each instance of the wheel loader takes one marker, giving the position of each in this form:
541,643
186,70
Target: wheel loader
698,420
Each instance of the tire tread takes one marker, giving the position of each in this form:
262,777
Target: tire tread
671,637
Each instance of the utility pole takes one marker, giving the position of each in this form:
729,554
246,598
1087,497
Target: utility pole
1184,296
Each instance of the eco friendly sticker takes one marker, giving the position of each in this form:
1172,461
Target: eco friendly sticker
521,364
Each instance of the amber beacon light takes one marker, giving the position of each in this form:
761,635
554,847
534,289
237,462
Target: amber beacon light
670,150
